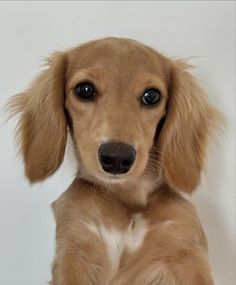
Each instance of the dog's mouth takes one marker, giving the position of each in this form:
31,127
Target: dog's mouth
113,179
114,163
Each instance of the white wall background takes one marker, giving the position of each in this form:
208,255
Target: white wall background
29,31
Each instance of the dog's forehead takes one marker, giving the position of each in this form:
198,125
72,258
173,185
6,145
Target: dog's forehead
121,55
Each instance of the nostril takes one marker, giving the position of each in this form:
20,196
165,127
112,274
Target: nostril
106,160
126,162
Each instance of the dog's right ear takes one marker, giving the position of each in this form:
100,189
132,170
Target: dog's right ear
42,128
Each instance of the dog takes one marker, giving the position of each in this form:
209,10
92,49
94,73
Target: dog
140,125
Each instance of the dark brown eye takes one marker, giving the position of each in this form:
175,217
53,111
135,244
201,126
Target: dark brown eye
151,97
85,91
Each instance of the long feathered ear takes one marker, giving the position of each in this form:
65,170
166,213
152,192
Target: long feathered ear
42,129
183,139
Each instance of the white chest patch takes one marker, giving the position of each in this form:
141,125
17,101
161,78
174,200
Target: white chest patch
113,239
116,241
137,232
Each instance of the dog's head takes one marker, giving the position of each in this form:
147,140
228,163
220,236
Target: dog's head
130,111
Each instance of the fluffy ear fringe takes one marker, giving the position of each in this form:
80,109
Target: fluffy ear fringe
190,122
42,129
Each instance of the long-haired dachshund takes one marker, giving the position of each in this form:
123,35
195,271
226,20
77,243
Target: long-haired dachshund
140,125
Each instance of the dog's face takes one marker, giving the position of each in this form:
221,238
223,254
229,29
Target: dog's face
131,113
116,95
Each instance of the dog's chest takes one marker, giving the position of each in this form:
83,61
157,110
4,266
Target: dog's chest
116,241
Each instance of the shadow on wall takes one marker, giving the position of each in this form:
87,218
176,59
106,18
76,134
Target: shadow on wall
220,244
207,201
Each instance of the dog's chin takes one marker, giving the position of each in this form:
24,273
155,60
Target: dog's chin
113,179
105,179
110,180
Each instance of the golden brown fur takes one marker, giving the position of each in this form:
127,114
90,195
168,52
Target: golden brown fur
170,140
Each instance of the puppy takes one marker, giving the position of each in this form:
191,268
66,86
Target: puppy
140,124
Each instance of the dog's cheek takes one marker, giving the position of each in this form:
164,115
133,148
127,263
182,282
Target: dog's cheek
88,152
141,159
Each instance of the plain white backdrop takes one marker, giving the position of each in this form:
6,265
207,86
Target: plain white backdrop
204,30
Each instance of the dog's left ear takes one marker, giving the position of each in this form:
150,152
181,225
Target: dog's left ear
189,122
42,128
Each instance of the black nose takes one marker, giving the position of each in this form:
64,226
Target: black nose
116,158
